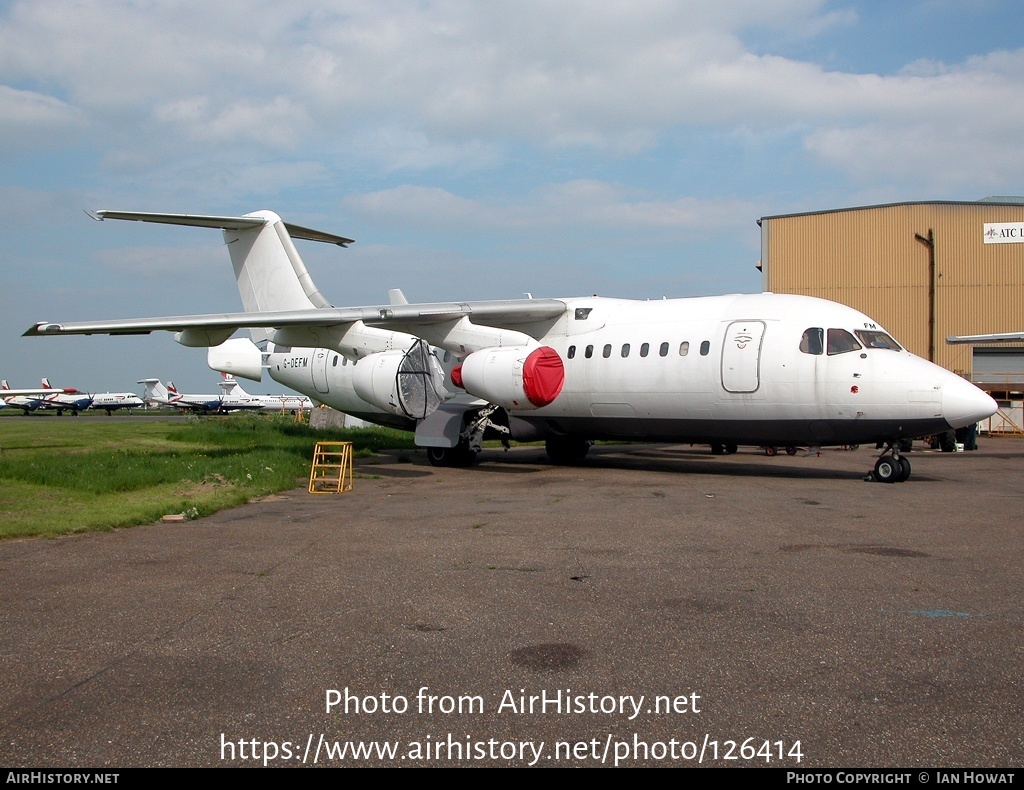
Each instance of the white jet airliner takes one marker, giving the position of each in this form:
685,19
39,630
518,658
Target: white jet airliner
765,369
26,399
233,393
113,401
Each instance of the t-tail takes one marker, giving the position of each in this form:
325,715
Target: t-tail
270,274
156,392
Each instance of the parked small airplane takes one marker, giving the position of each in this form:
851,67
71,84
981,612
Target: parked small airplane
158,394
764,369
27,400
113,401
65,400
276,403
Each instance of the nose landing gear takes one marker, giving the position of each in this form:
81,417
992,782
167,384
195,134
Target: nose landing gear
891,467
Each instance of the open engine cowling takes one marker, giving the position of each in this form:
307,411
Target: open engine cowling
405,383
515,378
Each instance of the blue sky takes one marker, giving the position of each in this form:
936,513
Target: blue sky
473,150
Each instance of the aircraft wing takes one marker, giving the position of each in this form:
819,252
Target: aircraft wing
1010,337
15,393
500,313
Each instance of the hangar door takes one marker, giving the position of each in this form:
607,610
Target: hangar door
741,356
998,368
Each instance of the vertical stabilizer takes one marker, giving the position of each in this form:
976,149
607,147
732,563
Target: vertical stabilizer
155,392
271,276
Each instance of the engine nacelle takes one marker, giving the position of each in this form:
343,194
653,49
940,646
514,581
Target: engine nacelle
516,378
405,383
239,357
203,338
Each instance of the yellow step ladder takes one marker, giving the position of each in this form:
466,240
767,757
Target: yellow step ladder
331,472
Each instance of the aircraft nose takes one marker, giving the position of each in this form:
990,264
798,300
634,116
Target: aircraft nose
963,403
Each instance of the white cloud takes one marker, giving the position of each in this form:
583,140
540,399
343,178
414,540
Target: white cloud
457,86
575,204
29,119
161,262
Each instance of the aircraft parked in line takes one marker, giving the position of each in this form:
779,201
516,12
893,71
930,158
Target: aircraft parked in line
114,401
275,403
160,395
764,369
27,400
65,400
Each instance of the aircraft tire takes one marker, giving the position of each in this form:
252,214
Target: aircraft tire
451,456
904,469
439,456
717,449
790,450
566,451
730,449
888,469
771,452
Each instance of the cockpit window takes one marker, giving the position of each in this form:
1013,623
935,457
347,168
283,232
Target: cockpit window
872,339
841,342
813,340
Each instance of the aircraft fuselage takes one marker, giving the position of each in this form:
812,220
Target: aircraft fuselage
743,369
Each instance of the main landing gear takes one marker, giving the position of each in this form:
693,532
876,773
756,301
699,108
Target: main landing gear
892,467
460,455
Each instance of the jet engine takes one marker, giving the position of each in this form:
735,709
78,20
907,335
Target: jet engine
405,383
518,377
239,357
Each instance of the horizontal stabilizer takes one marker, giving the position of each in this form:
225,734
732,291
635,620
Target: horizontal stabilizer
222,222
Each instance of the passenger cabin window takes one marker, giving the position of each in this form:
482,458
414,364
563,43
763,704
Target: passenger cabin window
334,363
841,342
684,348
705,347
589,352
572,352
663,350
813,340
447,356
644,349
607,352
872,339
625,350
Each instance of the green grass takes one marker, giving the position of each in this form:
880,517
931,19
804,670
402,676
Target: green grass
59,476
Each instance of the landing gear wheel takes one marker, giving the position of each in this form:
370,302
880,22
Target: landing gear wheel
790,451
771,452
904,468
888,469
717,449
451,456
731,449
566,451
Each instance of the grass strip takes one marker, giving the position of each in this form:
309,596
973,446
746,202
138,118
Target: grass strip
60,476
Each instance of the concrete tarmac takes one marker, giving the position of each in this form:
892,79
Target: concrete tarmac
655,606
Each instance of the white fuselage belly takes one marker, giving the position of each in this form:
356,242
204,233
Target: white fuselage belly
726,368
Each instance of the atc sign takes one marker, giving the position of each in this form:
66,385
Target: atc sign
1004,232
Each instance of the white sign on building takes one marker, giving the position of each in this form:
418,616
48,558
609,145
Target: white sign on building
1004,232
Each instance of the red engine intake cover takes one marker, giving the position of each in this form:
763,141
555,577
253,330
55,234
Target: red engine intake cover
543,376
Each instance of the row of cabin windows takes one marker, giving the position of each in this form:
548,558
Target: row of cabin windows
645,350
841,342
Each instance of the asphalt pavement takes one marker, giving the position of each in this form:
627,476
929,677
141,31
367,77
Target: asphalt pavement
656,606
